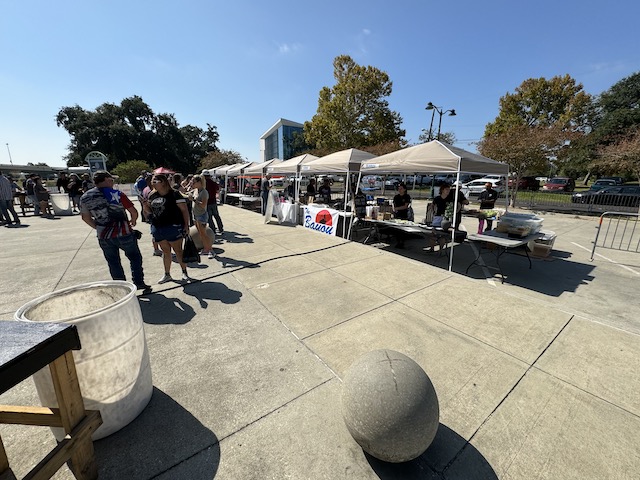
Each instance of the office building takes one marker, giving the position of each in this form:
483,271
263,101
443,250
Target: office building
277,142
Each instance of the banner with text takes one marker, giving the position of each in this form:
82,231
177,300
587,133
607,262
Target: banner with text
323,220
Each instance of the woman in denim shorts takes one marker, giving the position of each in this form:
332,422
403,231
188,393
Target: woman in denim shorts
200,198
167,209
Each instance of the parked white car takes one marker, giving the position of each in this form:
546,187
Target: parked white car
477,186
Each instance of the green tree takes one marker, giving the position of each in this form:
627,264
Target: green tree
445,137
354,113
618,110
132,130
539,123
559,102
624,155
220,157
129,171
522,147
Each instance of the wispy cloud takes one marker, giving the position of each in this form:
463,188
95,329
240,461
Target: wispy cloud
289,48
361,41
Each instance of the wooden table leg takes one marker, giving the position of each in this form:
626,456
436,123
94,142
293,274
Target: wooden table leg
65,382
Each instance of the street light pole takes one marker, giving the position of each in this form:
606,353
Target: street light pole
10,159
431,125
431,106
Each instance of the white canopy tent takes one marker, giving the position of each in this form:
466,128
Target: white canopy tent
343,162
435,157
261,168
238,169
291,166
222,169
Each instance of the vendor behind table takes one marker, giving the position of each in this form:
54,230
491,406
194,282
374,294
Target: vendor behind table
487,200
402,203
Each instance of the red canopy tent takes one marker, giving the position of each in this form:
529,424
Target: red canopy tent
164,170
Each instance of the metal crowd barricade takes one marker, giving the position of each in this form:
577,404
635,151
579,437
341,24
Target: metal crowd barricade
620,232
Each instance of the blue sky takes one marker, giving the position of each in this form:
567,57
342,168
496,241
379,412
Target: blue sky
240,65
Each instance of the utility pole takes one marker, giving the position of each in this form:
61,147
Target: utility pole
10,159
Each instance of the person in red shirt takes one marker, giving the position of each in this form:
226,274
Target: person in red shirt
212,205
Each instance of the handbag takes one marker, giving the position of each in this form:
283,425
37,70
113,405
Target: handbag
190,252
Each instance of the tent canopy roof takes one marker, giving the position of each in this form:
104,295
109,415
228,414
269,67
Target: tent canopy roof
432,157
222,169
261,168
237,169
292,165
339,162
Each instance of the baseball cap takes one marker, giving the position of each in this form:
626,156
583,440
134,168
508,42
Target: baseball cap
100,176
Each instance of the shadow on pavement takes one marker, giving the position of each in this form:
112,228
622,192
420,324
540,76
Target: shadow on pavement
550,276
214,291
160,310
234,237
162,437
449,457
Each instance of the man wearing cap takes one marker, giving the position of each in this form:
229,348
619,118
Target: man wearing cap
105,209
212,204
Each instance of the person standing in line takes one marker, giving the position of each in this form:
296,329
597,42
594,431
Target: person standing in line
42,196
63,183
200,196
138,188
75,191
167,210
6,203
212,203
265,185
29,186
487,200
87,184
105,209
143,197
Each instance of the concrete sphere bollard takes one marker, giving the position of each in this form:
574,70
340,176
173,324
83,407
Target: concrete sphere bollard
193,231
390,406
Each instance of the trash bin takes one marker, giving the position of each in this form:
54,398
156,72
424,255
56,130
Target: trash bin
113,365
60,203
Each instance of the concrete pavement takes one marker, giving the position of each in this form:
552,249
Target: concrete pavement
536,377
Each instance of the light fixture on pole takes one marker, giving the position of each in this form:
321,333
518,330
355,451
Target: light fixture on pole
431,106
10,159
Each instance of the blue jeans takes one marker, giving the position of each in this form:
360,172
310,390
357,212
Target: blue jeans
36,204
111,249
212,210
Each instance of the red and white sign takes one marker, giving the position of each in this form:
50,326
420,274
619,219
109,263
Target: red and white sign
323,220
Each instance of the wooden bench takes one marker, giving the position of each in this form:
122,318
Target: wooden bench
25,348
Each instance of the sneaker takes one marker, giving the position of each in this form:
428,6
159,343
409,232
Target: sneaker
157,253
220,232
211,255
143,286
165,278
186,277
